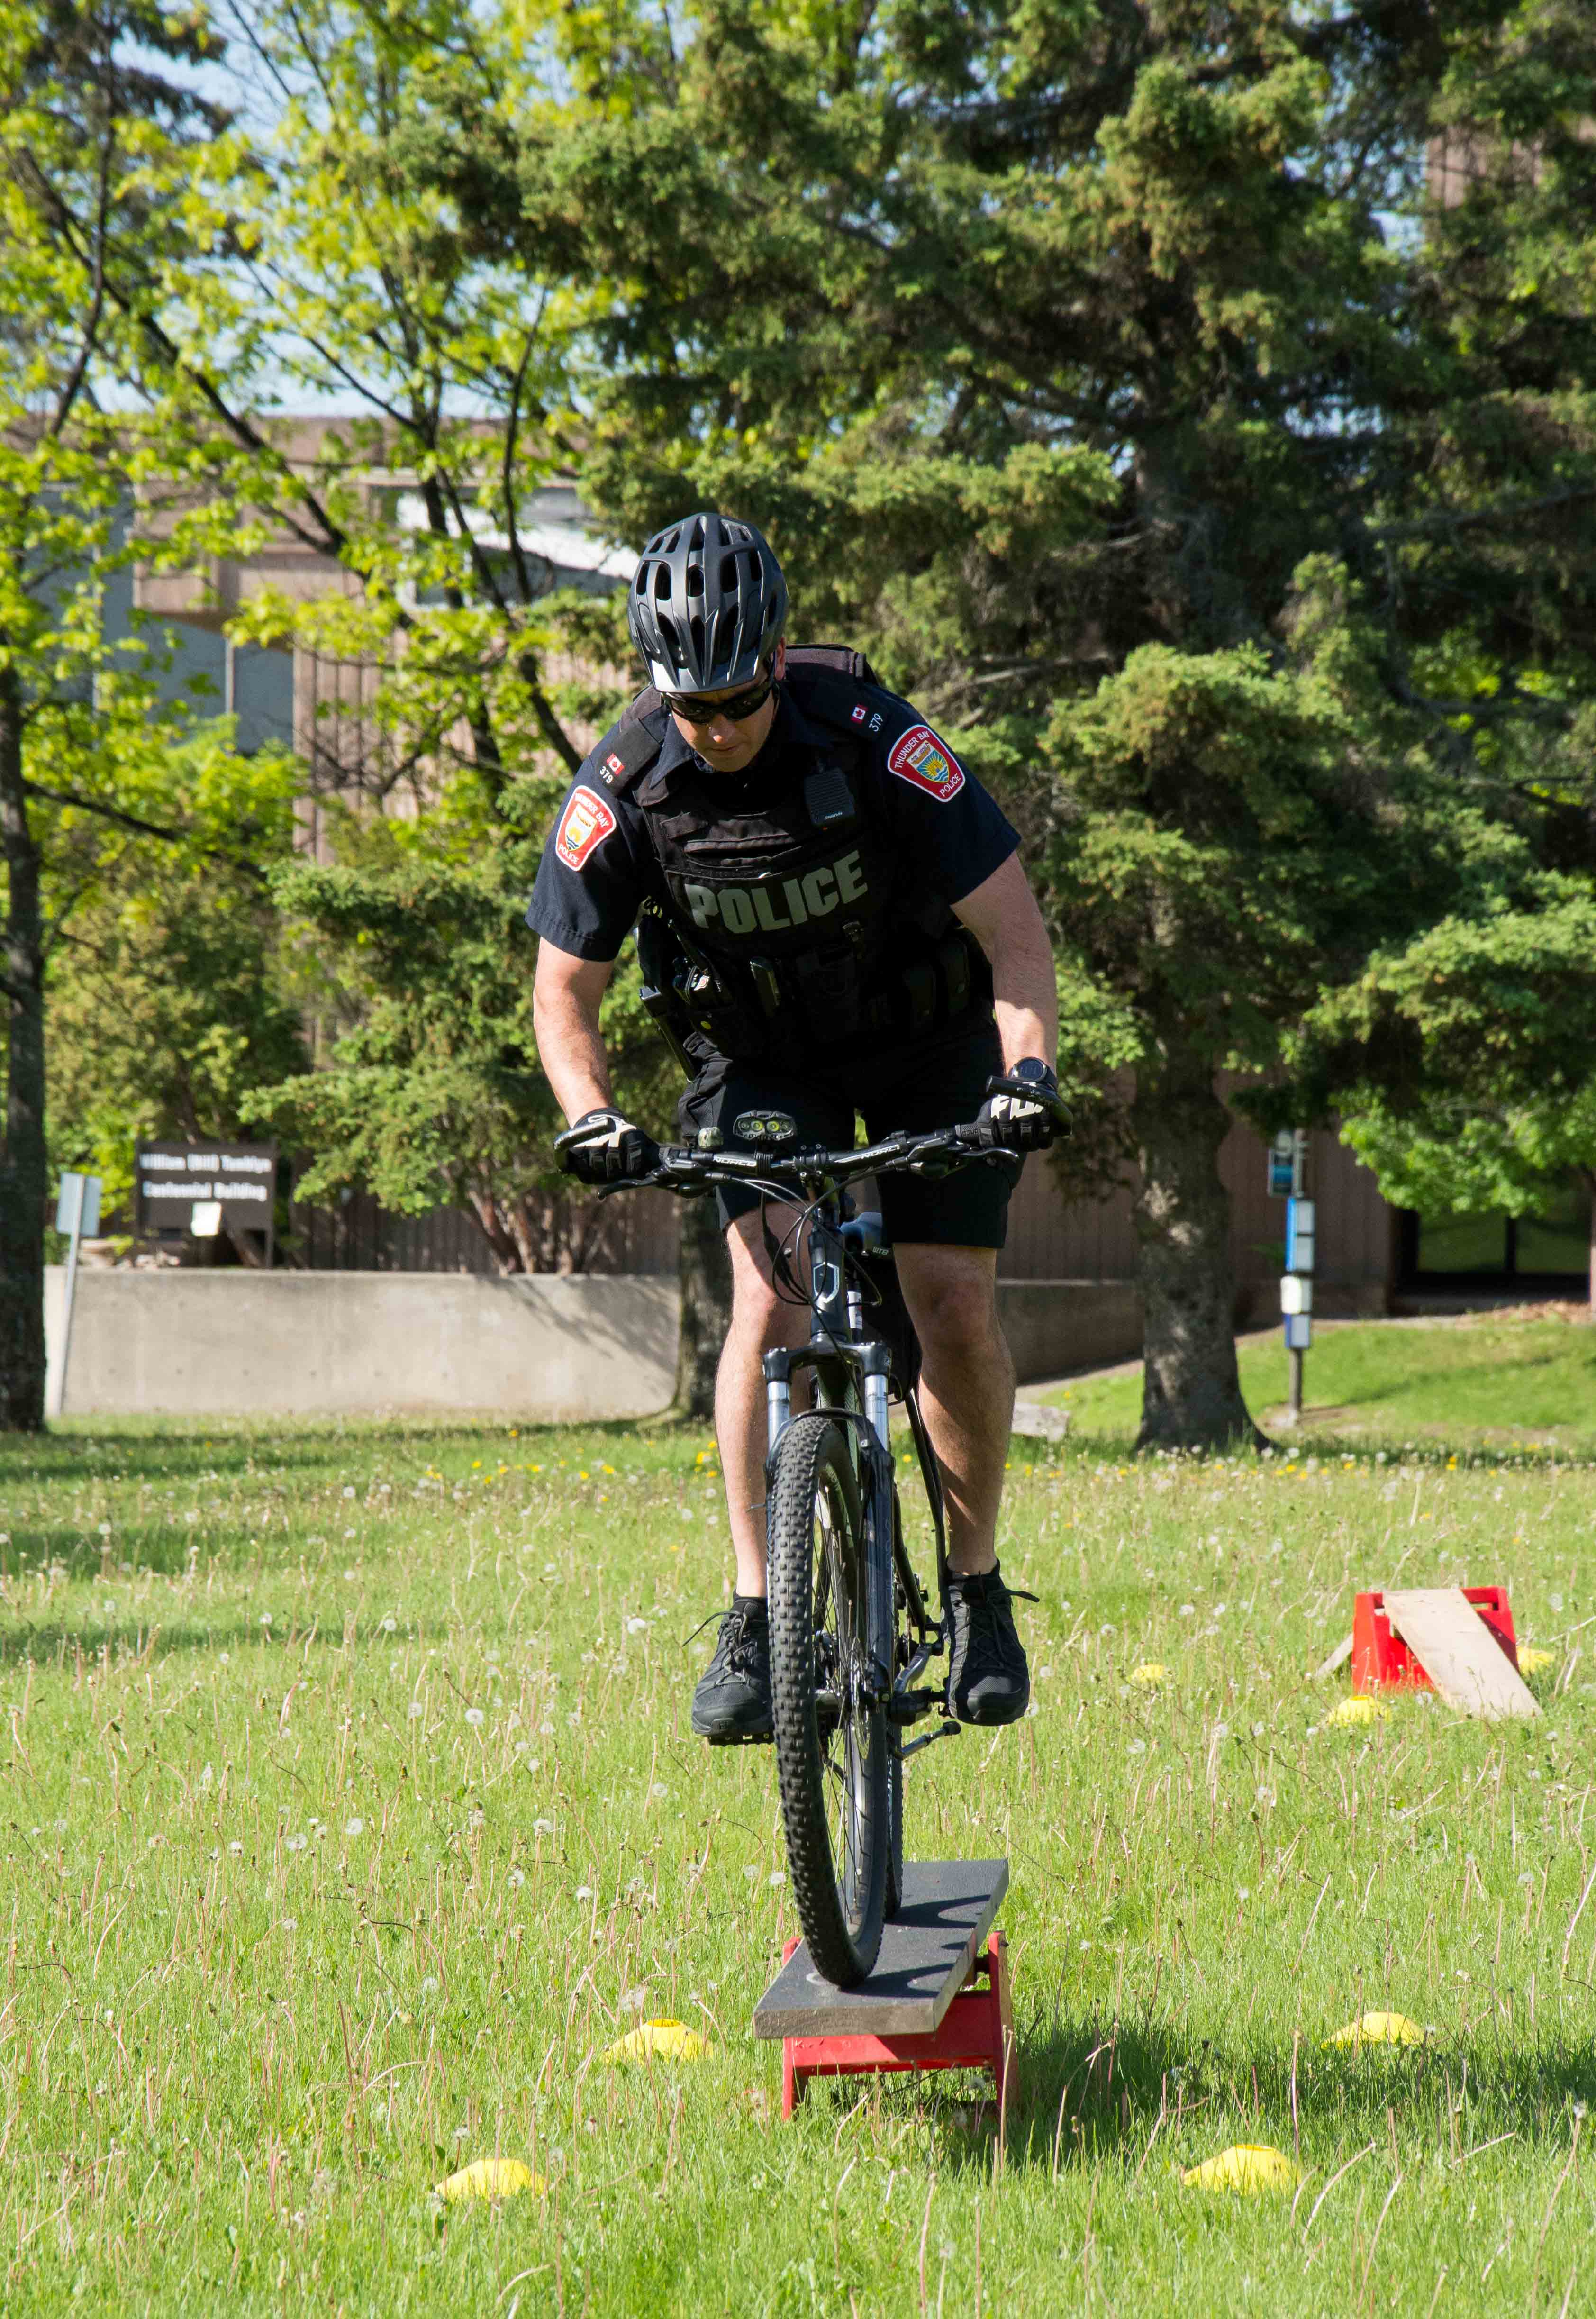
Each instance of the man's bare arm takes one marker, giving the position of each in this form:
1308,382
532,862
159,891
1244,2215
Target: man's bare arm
1002,914
566,998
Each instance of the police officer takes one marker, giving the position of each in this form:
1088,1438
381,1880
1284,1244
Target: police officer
832,918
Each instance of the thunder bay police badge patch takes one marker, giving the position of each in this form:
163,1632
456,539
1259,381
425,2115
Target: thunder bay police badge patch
586,822
919,757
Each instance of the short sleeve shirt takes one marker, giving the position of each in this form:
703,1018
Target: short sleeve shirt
600,867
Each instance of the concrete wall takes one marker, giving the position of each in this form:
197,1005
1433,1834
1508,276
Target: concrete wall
213,1344
1054,1325
340,1343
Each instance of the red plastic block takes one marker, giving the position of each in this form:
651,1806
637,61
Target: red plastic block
1380,1656
976,2033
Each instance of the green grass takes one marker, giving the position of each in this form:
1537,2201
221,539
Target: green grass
351,1812
1489,1381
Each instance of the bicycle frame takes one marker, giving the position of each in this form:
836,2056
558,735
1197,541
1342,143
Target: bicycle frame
852,1373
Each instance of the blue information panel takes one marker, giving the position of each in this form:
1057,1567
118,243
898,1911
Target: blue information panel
1298,1331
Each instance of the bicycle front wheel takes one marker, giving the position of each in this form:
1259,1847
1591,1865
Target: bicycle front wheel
831,1743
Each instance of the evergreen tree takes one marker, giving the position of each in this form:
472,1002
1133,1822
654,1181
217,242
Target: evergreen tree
1122,377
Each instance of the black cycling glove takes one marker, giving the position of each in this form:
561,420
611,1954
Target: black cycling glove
1022,1111
605,1147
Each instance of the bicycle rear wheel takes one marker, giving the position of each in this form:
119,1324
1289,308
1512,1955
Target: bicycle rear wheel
831,1743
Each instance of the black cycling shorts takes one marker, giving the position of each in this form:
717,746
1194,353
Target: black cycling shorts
937,1082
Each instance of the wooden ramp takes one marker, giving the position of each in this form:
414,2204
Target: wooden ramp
928,1951
1459,1653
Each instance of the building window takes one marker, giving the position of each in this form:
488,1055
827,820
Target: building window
1549,1249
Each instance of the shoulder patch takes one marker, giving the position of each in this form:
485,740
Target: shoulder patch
927,762
585,824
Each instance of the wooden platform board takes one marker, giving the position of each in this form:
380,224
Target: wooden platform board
927,1950
1459,1653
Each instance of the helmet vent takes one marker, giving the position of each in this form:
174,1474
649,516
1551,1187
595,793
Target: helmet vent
708,602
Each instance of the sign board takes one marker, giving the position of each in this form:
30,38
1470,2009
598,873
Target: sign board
78,1205
1288,1157
1299,1332
198,1187
1299,1235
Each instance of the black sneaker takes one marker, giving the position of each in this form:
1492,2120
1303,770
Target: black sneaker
989,1680
732,1704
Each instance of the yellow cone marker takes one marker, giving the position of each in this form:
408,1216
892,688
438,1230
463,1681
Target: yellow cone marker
1149,1674
1532,1660
1250,2167
673,2041
492,2178
1380,2029
1355,1711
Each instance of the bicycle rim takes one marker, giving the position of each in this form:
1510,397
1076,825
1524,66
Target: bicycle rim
831,1746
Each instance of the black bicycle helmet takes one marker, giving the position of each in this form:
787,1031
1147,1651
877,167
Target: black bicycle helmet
708,604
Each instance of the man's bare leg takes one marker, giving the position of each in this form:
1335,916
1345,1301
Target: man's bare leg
760,1321
966,1388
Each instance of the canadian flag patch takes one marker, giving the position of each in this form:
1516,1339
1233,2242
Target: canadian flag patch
586,822
918,756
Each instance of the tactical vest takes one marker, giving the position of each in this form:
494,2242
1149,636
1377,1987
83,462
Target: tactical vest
780,917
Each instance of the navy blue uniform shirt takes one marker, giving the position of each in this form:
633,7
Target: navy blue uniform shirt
599,866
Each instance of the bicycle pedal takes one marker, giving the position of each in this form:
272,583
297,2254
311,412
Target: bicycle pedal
744,1739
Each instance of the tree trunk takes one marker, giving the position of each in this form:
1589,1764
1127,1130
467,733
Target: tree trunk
1590,1176
24,1179
703,1271
1191,1393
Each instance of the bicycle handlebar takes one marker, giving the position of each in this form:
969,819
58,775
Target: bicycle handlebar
685,1171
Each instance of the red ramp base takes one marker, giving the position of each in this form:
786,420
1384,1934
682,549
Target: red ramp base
977,2031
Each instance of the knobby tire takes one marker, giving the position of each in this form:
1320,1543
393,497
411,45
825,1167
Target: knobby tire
817,1581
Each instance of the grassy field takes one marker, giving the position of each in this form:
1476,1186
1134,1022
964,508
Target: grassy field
1497,1380
351,1814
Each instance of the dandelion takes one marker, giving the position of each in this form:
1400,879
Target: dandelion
751,1872
584,1892
235,1845
349,1533
1188,1610
390,1624
354,1827
105,1530
542,1828
266,1618
636,1626
518,1877
415,1710
290,1924
224,1657
776,1876
296,1844
473,1716
348,1489
429,1986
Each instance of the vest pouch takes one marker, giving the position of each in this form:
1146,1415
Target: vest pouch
829,996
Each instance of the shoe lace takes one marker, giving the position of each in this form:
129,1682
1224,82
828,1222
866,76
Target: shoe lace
735,1641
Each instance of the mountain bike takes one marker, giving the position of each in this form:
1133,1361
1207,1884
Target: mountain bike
851,1636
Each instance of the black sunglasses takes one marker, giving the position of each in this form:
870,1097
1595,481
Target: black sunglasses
734,706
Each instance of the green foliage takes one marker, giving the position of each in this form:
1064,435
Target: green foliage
1465,1063
167,995
433,1093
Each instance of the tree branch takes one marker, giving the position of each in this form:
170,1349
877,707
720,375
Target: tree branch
142,828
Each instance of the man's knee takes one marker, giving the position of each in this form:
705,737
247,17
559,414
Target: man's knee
952,1297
